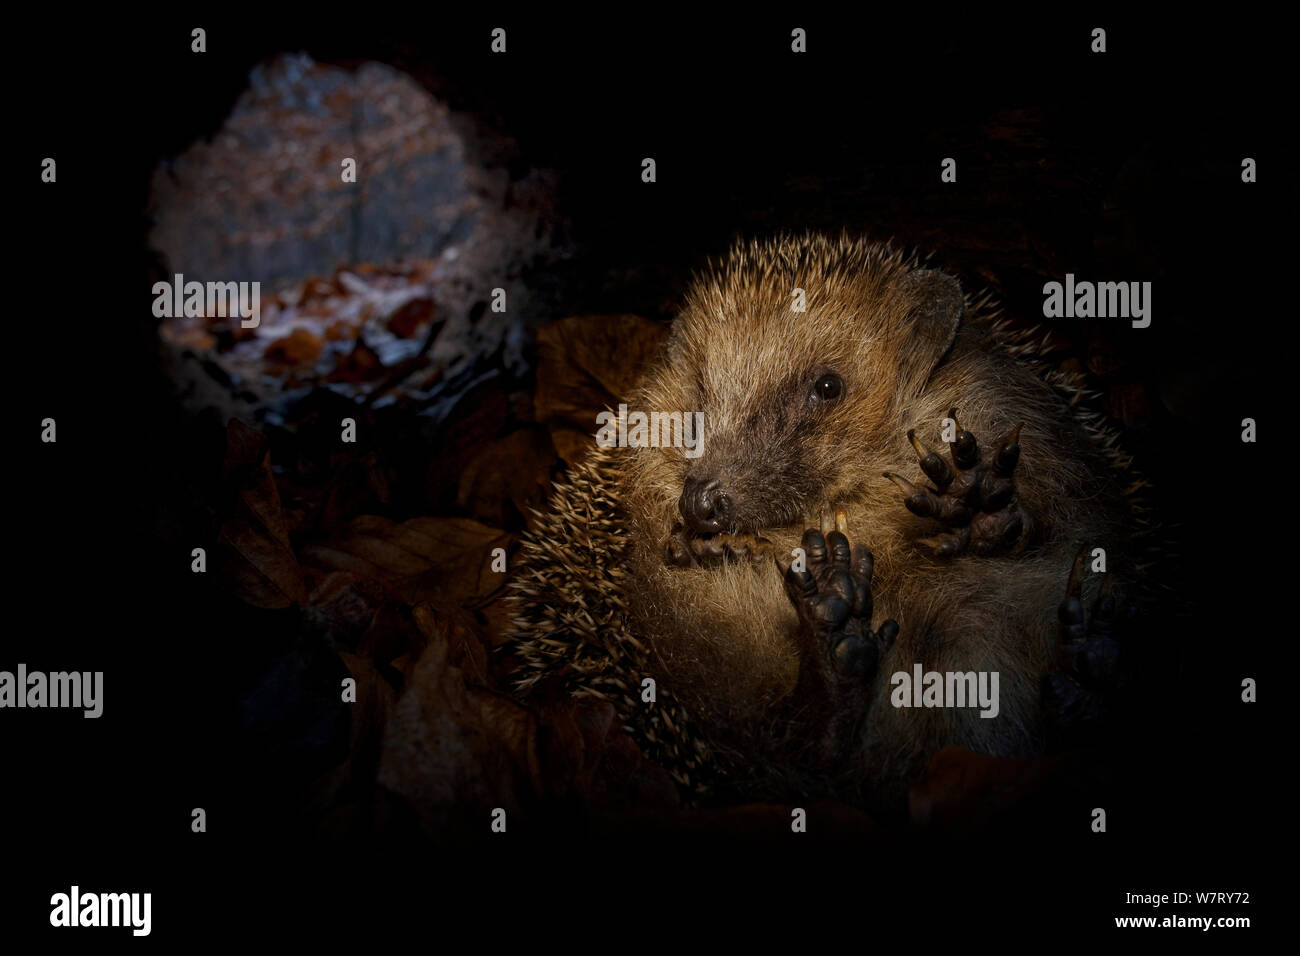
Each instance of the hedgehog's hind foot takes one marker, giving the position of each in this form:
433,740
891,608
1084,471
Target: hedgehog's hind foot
974,497
839,652
1076,699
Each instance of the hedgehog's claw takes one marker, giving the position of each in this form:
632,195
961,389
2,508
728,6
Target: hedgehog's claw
920,501
935,468
964,448
974,497
677,551
684,550
1007,456
1070,613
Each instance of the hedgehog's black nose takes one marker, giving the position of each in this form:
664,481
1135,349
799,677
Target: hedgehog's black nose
704,505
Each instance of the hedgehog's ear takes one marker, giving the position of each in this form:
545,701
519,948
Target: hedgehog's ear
932,324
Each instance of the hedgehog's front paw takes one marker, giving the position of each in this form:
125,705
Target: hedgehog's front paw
974,497
685,550
839,651
1093,673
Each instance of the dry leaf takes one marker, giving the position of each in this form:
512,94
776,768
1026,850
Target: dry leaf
368,714
256,557
409,319
585,752
513,471
446,561
453,752
343,606
299,349
586,364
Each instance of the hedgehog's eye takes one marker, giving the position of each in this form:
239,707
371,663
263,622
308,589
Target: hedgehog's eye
828,388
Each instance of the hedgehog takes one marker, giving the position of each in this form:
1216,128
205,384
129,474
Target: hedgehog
755,607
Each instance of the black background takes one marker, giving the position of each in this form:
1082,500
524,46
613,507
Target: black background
748,138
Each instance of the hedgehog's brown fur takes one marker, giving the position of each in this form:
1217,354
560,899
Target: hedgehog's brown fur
597,602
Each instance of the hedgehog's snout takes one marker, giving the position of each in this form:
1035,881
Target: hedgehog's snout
705,506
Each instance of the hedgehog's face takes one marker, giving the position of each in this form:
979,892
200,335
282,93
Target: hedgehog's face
775,451
797,406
